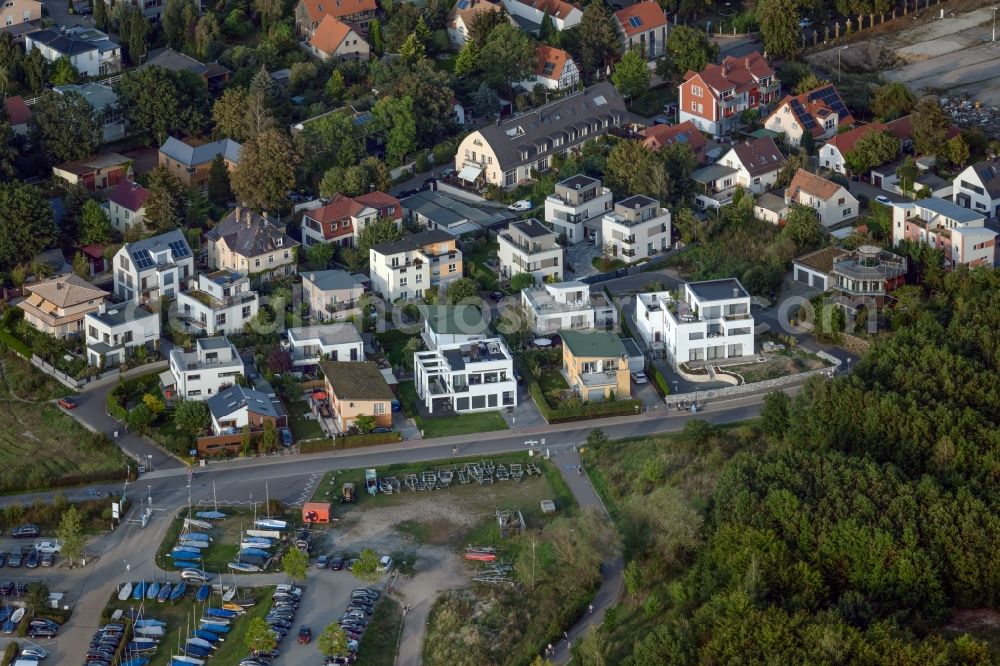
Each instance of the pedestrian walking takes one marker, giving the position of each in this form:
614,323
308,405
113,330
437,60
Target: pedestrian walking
566,635
590,608
551,649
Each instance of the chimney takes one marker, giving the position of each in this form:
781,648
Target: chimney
736,292
747,62
238,213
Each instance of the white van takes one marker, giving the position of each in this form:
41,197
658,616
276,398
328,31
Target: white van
385,564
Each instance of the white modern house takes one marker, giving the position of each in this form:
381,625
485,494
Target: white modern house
219,303
567,305
114,333
473,377
978,187
710,322
636,229
832,202
89,50
331,342
154,267
575,202
528,246
453,325
332,295
209,369
406,267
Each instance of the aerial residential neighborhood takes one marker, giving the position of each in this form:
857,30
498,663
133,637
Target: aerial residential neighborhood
515,332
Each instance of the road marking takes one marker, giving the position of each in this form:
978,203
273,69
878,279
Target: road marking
307,489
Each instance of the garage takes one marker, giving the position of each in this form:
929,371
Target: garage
814,269
595,395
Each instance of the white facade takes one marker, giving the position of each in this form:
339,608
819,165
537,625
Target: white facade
831,201
571,305
407,267
711,323
152,268
636,229
218,303
332,295
564,17
123,219
453,325
114,332
830,158
961,233
576,201
210,368
978,188
90,51
467,378
332,342
751,177
528,246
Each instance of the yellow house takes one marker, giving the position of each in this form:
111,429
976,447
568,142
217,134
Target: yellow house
58,306
357,389
596,365
250,244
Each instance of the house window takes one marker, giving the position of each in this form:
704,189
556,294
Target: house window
402,282
256,263
694,105
756,181
452,268
841,200
193,378
246,311
847,212
379,408
696,91
194,393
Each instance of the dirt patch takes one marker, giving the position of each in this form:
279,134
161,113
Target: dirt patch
974,618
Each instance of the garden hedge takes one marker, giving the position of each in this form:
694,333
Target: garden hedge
349,442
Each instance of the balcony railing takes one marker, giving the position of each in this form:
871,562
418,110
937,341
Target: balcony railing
341,306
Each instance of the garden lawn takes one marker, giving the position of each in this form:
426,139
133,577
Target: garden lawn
303,428
452,424
378,645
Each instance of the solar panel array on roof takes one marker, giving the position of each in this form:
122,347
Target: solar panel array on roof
634,21
800,113
143,260
179,248
828,95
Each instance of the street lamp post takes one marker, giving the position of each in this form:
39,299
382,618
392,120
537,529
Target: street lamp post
994,24
839,51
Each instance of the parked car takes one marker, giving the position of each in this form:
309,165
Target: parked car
48,546
305,636
381,429
31,561
48,559
68,402
884,200
805,23
15,559
639,377
337,563
384,564
26,532
3,558
42,632
322,561
35,651
447,173
521,205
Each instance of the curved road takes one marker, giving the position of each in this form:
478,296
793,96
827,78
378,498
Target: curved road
286,477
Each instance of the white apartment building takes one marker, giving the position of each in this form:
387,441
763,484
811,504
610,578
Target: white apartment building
209,369
114,332
219,303
710,323
960,233
576,201
332,295
331,342
567,305
453,325
89,50
405,268
636,229
528,246
157,266
466,378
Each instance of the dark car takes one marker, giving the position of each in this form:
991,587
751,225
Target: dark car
336,563
3,558
26,532
31,561
15,559
48,559
381,429
305,636
69,402
6,588
42,632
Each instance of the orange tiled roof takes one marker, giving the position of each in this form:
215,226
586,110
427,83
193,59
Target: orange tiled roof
317,9
330,33
647,15
739,73
812,184
552,58
343,209
659,136
555,8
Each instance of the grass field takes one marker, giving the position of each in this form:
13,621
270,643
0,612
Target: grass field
303,428
185,613
452,424
378,645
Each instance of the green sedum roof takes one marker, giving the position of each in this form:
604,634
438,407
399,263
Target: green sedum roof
595,344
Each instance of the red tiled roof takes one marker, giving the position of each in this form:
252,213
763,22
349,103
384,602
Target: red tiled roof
811,184
129,195
649,14
550,54
18,112
659,136
470,11
555,8
317,9
342,209
330,34
93,251
739,73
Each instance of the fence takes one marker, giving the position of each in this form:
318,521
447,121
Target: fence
101,378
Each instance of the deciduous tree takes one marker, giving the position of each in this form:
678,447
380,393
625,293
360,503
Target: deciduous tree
779,26
892,100
165,206
192,416
631,75
64,126
508,57
872,150
802,227
26,226
70,534
688,49
295,563
930,127
382,230
157,102
333,641
95,227
397,116
594,40
259,637
461,290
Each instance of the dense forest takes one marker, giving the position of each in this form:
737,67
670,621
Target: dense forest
849,525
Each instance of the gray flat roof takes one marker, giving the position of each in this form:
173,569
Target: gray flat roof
532,228
578,181
718,290
218,342
447,211
329,280
639,200
712,173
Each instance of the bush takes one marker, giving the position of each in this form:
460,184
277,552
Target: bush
583,411
10,654
349,442
659,381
